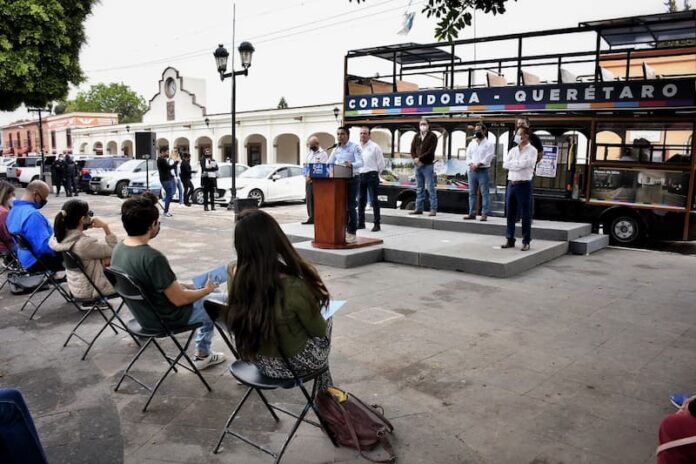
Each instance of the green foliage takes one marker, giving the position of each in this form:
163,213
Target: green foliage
282,104
455,15
111,98
40,45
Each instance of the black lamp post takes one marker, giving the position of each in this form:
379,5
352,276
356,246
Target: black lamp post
42,172
246,50
336,111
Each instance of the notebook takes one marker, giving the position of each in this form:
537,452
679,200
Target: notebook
219,276
334,306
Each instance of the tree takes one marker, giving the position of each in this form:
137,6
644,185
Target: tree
40,45
282,104
111,98
455,15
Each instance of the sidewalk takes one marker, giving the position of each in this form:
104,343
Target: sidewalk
572,362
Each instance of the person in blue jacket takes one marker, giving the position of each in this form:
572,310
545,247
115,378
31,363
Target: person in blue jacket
25,219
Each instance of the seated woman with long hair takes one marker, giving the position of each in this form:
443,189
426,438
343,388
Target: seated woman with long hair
274,302
68,229
7,194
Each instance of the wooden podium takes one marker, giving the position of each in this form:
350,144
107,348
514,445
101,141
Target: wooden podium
330,185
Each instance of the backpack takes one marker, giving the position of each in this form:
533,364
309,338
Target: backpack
354,424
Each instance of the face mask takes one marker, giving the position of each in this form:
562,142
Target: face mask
479,135
518,139
424,128
42,202
313,148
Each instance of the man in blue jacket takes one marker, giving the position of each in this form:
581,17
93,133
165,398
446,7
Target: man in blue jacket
25,219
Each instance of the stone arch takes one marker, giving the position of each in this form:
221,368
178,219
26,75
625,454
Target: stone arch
325,139
112,148
83,147
127,148
182,145
382,138
98,148
256,148
224,146
162,143
287,148
202,143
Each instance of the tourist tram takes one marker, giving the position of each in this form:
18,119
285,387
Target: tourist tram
616,118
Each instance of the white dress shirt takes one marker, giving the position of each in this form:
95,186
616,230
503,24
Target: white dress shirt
318,156
480,152
520,163
373,158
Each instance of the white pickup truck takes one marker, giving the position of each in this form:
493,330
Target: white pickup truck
25,170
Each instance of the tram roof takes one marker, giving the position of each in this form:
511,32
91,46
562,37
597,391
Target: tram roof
646,29
409,53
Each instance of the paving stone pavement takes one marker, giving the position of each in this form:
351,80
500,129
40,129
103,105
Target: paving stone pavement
572,362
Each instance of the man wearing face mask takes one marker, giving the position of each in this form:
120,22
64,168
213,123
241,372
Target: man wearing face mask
423,154
315,155
520,162
479,155
25,219
176,302
209,169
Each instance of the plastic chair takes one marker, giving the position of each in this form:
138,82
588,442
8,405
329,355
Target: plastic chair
131,292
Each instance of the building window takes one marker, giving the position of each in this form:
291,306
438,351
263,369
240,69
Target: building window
53,139
29,140
68,138
10,140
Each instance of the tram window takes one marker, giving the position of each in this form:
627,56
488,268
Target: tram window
640,186
647,143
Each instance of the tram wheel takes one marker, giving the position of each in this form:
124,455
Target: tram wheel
625,229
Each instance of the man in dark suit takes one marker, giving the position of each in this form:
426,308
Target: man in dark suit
185,176
423,154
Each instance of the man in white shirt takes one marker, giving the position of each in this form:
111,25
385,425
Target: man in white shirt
373,165
479,155
315,155
520,162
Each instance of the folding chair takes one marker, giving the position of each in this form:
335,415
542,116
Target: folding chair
9,264
131,292
48,279
250,376
72,262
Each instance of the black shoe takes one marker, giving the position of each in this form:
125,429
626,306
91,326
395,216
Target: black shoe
416,212
469,216
508,244
361,226
212,209
525,247
187,204
308,221
376,228
205,208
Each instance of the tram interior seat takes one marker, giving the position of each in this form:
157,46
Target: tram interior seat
355,88
530,79
568,77
606,75
381,86
649,72
404,86
495,80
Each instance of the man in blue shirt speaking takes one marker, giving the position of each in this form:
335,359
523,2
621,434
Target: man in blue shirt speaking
25,219
348,153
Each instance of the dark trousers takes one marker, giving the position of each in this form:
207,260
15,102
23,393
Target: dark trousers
351,205
369,182
188,189
519,199
69,184
58,183
53,263
209,187
169,187
309,196
19,441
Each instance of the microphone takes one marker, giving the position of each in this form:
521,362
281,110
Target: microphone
332,146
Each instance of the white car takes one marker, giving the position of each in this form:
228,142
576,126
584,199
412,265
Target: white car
117,181
6,162
268,183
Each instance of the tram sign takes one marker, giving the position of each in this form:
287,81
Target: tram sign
588,96
547,166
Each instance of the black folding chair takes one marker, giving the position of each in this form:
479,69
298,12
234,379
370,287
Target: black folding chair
250,376
131,292
48,279
73,263
9,264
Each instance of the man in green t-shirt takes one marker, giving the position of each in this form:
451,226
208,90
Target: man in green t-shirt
176,303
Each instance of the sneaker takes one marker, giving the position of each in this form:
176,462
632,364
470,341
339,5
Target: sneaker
678,399
432,213
484,218
525,247
469,216
210,360
416,212
168,214
351,238
376,228
508,244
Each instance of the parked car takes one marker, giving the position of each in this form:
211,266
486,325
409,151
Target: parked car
27,169
117,181
97,167
268,183
6,162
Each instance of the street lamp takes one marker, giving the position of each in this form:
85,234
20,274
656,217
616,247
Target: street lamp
42,172
246,50
336,111
128,129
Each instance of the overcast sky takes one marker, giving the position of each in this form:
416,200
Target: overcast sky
299,44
